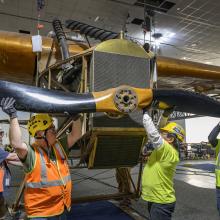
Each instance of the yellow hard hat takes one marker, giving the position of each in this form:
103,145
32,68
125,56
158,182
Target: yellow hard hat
174,128
39,122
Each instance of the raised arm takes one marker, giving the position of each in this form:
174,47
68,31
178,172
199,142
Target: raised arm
76,132
213,135
15,136
164,117
152,132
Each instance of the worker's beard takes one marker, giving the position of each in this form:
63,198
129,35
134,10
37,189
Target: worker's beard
52,141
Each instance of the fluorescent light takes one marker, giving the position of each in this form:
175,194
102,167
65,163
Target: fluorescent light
186,58
170,34
96,19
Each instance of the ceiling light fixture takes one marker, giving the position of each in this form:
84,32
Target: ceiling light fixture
170,34
157,35
96,19
208,62
186,58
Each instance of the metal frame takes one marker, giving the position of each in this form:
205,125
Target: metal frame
47,76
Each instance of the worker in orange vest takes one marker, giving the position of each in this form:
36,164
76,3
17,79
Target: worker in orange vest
5,174
5,158
48,183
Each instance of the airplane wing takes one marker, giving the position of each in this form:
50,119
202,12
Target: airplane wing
198,77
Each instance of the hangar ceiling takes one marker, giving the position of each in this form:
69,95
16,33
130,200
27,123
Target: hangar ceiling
190,29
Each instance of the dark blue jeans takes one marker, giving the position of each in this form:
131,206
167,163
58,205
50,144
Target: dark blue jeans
161,211
57,217
218,199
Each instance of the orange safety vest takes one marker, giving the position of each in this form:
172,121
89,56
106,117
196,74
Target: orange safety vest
2,172
48,186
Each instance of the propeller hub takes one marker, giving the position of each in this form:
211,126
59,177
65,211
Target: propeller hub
125,99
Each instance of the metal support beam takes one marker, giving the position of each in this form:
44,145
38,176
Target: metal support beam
103,197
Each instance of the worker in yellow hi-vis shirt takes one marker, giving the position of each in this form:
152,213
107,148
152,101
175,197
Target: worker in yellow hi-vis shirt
158,173
215,142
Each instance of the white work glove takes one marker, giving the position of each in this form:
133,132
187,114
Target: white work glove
152,132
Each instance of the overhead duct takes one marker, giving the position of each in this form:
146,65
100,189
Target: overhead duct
91,31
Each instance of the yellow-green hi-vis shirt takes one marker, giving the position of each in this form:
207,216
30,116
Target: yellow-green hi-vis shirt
217,163
158,173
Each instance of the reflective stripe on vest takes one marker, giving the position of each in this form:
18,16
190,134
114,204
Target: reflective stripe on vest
44,182
48,183
60,151
43,166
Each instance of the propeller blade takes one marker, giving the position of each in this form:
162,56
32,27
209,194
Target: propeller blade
187,101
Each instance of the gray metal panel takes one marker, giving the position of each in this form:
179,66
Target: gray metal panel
112,70
110,151
127,121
